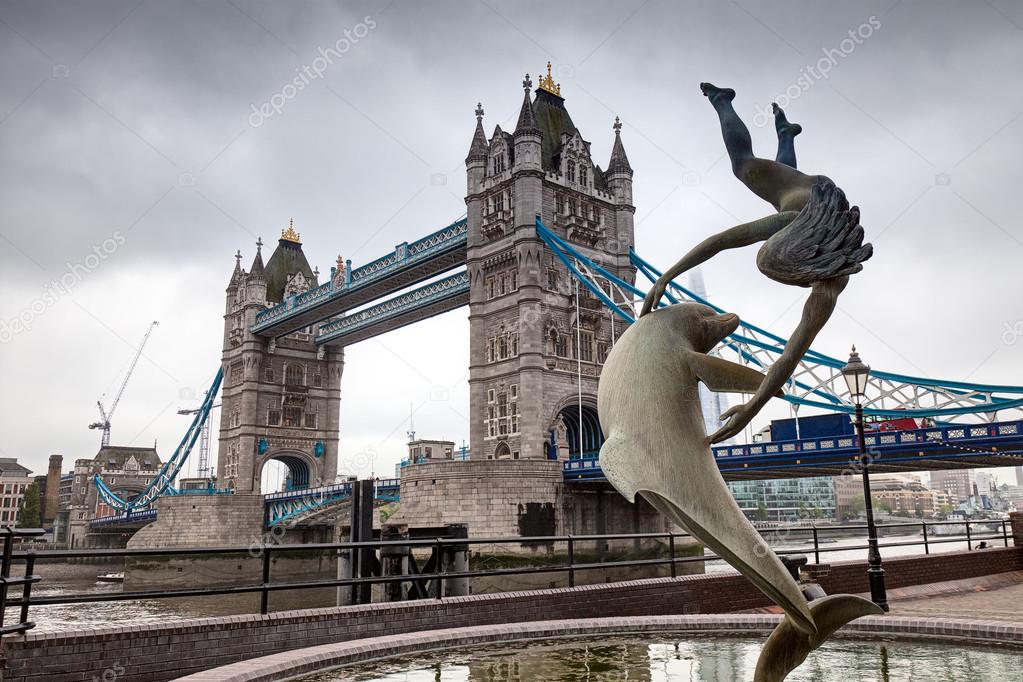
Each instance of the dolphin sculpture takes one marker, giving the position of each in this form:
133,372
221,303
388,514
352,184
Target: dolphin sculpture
656,446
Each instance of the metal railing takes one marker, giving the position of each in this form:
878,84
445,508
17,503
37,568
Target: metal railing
7,535
431,582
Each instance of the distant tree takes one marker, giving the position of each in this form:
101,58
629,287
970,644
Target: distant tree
29,511
856,507
762,514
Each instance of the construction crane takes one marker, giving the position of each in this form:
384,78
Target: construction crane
204,443
105,416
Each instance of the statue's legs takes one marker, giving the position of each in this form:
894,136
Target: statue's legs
786,137
782,186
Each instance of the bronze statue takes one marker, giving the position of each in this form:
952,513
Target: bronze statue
648,398
814,240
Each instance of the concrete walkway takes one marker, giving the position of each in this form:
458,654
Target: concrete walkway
996,597
989,597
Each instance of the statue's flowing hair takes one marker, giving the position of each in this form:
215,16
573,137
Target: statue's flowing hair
823,241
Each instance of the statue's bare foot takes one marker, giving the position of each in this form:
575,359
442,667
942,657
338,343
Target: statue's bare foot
782,125
715,94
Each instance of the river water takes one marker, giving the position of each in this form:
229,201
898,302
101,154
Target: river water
92,615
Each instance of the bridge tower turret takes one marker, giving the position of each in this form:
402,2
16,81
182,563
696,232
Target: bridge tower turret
536,345
280,397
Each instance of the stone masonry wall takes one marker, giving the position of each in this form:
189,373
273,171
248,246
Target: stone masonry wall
507,498
498,498
203,521
165,651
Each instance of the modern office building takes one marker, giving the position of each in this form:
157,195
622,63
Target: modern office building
786,500
14,480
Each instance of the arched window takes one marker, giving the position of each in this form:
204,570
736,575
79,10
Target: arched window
571,171
294,375
582,176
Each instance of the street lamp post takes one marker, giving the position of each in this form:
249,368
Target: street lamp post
856,374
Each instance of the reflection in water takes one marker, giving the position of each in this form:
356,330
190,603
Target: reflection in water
693,659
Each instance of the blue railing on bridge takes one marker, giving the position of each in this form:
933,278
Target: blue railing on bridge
440,290
405,254
291,504
138,516
968,440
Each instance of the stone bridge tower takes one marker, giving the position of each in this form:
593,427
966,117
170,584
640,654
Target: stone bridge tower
536,342
281,397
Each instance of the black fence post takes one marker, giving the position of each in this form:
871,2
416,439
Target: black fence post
30,564
927,548
571,561
264,595
438,567
969,542
5,570
816,546
1005,532
671,553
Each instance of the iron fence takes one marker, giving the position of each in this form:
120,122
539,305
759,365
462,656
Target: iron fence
8,534
431,582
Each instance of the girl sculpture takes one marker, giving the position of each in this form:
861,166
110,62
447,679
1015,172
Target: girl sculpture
814,240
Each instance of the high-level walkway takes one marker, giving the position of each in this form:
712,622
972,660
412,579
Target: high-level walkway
410,263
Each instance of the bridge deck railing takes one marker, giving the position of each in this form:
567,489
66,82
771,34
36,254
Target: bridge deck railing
967,439
404,255
974,538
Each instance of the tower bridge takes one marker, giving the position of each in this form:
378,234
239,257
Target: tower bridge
545,260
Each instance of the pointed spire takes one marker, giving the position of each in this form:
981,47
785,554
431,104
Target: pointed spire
619,161
236,275
257,263
478,149
527,119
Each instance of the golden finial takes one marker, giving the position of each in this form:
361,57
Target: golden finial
289,235
547,83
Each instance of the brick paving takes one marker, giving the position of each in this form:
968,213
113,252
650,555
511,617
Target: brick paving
977,599
988,598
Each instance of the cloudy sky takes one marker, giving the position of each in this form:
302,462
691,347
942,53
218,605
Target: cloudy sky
132,167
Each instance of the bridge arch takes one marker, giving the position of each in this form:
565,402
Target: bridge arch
582,437
286,470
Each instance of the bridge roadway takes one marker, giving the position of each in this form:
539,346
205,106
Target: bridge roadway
953,446
410,263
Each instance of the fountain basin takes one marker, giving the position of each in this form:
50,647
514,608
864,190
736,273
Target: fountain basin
726,641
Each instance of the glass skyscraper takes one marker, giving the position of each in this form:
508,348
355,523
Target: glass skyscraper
788,499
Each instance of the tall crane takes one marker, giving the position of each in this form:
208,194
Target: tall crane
105,416
205,471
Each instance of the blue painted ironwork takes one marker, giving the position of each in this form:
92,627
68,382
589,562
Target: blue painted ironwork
129,518
949,442
290,506
164,478
818,381
406,254
434,292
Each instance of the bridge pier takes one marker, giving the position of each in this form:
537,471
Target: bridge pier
455,559
393,561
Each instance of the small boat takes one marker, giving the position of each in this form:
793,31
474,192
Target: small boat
110,577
